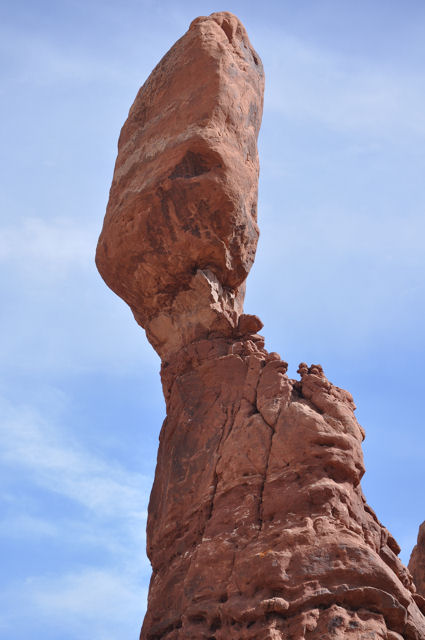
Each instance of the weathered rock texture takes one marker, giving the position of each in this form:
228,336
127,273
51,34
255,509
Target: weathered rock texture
417,561
257,528
180,230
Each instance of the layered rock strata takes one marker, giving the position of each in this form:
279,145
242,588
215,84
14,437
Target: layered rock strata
417,561
257,527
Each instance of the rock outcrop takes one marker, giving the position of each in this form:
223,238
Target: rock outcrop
417,561
257,527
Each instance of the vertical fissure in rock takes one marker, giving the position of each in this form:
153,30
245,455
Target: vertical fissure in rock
266,470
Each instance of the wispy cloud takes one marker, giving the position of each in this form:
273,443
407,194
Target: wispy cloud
19,525
92,604
384,237
48,267
88,593
306,83
47,248
109,507
349,279
60,464
37,60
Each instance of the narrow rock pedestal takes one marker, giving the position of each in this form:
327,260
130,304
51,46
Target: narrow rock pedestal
257,527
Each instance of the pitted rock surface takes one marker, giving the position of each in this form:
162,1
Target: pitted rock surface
257,527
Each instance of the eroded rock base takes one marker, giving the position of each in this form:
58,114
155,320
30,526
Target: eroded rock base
257,526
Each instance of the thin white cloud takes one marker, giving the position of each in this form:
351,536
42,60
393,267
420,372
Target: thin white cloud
58,463
109,515
77,324
392,239
359,276
36,60
88,593
93,604
47,248
22,525
306,83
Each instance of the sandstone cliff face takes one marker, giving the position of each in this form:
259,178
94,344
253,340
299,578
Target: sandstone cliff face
257,528
417,561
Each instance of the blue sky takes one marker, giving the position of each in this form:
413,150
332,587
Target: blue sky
338,280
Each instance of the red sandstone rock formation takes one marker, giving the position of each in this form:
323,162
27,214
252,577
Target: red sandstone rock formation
180,230
257,528
417,561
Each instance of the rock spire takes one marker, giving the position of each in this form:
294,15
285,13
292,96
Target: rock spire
258,528
417,561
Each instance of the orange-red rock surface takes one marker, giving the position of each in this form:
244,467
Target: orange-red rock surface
417,561
257,528
180,230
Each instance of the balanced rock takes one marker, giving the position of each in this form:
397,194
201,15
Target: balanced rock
417,561
180,231
257,527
